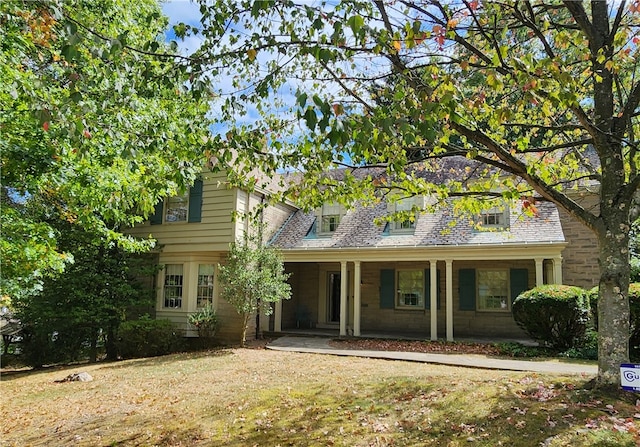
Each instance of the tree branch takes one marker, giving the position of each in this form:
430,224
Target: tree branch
580,16
518,168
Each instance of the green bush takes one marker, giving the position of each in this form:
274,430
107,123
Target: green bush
586,348
634,310
554,315
147,338
515,349
205,321
53,341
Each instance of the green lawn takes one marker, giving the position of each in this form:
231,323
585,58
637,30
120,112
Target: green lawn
247,397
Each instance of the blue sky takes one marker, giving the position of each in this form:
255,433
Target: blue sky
184,11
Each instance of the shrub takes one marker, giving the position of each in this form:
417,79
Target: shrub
514,349
586,348
205,321
634,311
554,315
147,338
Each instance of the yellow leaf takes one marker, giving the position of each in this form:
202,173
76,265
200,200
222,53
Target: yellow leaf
397,45
609,65
251,54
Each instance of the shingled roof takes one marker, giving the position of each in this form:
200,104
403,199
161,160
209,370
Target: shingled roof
358,229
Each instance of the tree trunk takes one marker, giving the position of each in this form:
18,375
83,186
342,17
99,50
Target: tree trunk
110,343
245,323
613,301
93,350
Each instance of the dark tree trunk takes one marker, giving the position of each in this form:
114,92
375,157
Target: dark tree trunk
613,300
93,350
110,344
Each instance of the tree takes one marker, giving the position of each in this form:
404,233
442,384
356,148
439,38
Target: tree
538,97
634,251
86,303
253,278
98,122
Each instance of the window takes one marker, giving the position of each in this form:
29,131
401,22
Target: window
177,208
404,205
410,292
173,279
205,285
493,290
330,218
494,218
183,208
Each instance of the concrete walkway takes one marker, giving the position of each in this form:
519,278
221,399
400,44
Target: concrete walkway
320,345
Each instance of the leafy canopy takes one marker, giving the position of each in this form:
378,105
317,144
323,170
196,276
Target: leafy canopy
503,99
98,123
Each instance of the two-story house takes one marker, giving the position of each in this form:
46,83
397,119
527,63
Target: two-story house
193,233
434,276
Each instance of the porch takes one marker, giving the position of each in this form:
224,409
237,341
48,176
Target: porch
414,294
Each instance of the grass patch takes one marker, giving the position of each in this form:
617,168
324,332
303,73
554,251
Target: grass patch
240,397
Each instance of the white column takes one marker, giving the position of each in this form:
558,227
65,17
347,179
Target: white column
557,270
449,299
277,317
433,305
343,298
539,272
356,298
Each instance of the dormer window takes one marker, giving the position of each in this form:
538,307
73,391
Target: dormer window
494,218
329,218
405,205
406,223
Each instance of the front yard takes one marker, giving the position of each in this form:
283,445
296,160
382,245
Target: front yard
247,397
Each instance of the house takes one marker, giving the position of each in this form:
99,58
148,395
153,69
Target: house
194,231
431,275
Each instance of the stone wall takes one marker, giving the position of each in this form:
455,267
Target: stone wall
580,258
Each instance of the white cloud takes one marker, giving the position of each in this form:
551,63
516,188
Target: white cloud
185,11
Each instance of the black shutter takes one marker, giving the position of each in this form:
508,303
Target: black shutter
519,279
387,289
195,202
156,217
467,288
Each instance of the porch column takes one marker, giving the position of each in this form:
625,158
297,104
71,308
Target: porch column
433,305
557,270
343,298
539,272
356,298
277,317
449,298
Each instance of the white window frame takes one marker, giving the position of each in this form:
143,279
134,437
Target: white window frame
173,282
485,292
402,294
176,209
404,226
329,217
205,286
495,218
